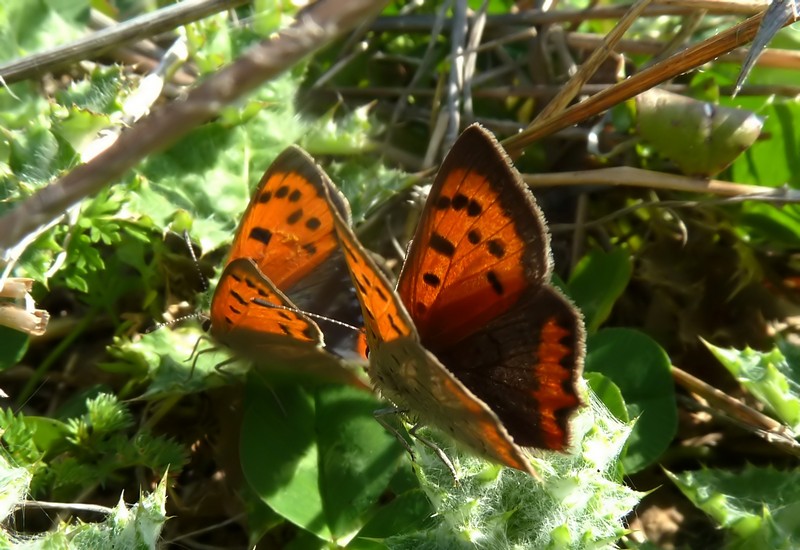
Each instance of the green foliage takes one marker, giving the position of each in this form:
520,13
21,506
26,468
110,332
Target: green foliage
772,377
136,527
307,462
333,461
577,504
758,506
26,27
641,370
88,449
597,282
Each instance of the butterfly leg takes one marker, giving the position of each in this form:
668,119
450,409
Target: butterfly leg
380,415
220,367
436,449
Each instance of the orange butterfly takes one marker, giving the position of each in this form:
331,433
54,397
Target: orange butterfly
475,341
285,253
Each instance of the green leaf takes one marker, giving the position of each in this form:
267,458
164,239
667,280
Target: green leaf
609,393
772,161
407,512
700,137
49,434
597,282
334,460
279,454
768,376
760,506
358,456
641,370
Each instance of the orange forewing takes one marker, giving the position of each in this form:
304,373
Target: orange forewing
479,244
287,229
285,248
385,319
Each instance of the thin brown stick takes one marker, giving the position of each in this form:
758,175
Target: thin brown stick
542,90
590,66
423,23
768,428
638,177
97,43
314,27
671,67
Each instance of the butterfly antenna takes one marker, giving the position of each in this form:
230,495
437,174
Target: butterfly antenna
175,321
188,239
264,303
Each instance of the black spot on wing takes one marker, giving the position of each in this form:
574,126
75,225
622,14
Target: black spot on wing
294,217
460,201
497,286
295,195
313,223
431,279
442,245
261,234
496,248
282,191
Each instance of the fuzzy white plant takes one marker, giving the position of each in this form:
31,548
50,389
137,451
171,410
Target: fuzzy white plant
579,503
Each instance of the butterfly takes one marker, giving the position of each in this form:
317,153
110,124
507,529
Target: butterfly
284,261
475,340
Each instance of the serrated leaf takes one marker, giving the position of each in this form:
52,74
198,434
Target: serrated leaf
768,376
759,505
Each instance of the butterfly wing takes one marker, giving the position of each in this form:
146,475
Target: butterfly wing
275,334
287,229
285,253
477,285
481,242
413,378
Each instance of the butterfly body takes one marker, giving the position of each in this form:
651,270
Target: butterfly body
475,341
284,262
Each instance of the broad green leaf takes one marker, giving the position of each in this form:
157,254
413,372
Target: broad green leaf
609,393
701,138
641,370
596,283
407,512
358,456
768,376
279,454
759,506
333,461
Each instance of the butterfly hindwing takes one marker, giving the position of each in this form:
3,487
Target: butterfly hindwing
525,365
235,312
